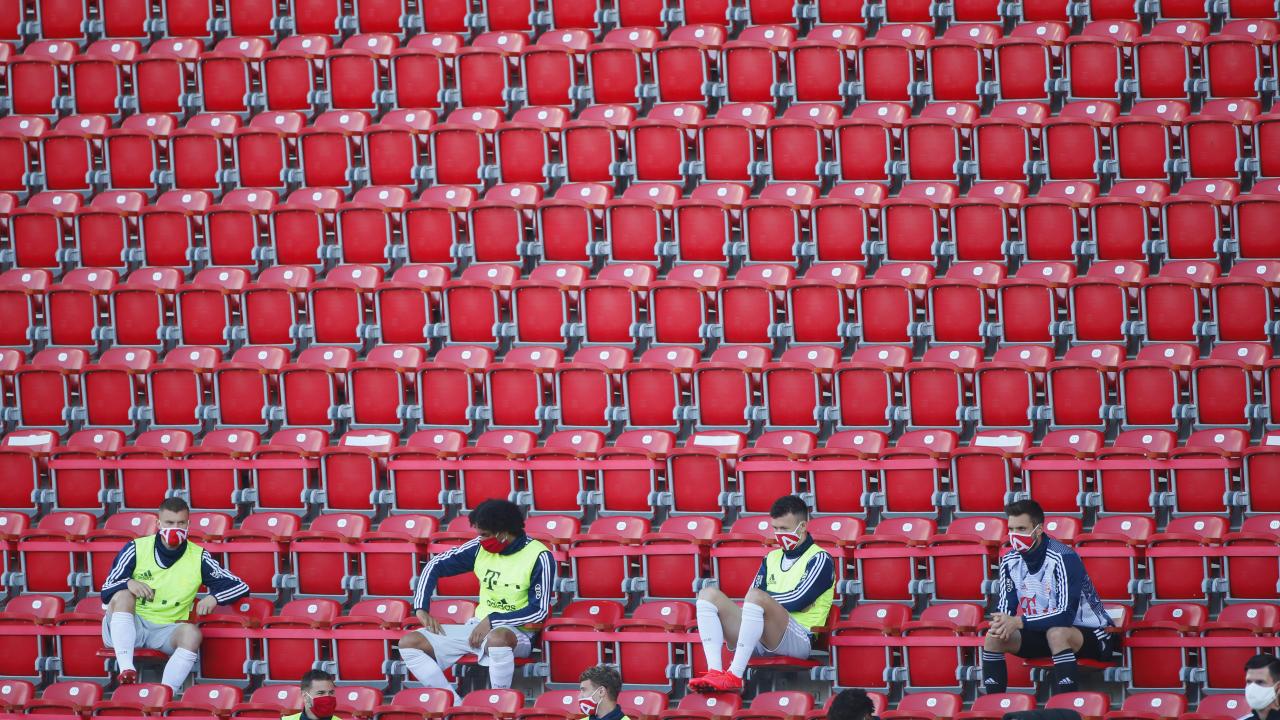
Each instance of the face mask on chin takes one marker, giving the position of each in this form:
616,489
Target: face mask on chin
1260,697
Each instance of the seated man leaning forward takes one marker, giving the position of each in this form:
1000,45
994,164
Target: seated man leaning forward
790,595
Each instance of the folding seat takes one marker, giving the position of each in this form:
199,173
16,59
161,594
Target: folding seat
200,150
1145,140
1224,385
824,64
841,490
732,142
962,302
529,143
1090,705
819,303
147,487
477,304
265,150
1004,144
869,665
341,305
797,388
589,389
83,488
569,223
396,147
22,294
15,694
612,303
40,230
886,562
1128,490
912,225
274,307
736,555
1120,540
106,231
67,697
75,307
270,700
1083,385
755,66
634,491
37,76
114,389
664,146
463,146
1028,60
1249,576
136,151
52,554
411,703
1216,707
520,387
143,308
502,224
1054,222
358,72
72,153
1252,214
1074,141
602,565
707,221
1126,222
477,485
554,66
300,227
657,388
26,651
1097,63
1181,293
433,226
959,63
983,224
595,146
1197,490
686,64
1234,59
892,301
728,388
1159,667
1155,385
927,705
230,74
1237,620
698,474
209,305
1165,60
24,456
843,222
1197,219
181,387
328,149
325,568
620,67
752,303
382,387
286,655
893,62
1147,705
546,302
20,151
1011,386
961,560
760,487
917,490
993,706
799,144
1187,575
48,388
213,488
451,386
486,68
1103,301
247,388
776,223
165,76
97,76
369,225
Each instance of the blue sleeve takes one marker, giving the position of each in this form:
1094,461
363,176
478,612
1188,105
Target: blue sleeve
819,577
455,561
541,580
1067,580
761,574
223,585
1007,603
121,572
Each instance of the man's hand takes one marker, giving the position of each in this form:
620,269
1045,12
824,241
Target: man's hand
141,590
206,605
1003,626
429,623
479,633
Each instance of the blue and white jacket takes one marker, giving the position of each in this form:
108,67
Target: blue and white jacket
1048,587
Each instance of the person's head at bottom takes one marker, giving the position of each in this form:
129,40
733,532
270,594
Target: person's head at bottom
598,689
498,523
319,700
1261,674
851,704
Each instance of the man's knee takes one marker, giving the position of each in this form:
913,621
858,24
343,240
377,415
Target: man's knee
711,594
756,596
1062,638
122,601
416,641
991,643
501,637
187,636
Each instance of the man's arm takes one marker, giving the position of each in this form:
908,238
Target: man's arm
819,576
541,580
1065,581
1007,603
223,585
456,561
761,575
120,574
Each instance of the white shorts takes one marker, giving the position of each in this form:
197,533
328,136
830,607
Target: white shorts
149,635
796,642
453,644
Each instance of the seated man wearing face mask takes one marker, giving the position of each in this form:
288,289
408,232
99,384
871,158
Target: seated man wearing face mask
516,575
1261,675
1047,607
319,700
791,595
150,590
598,689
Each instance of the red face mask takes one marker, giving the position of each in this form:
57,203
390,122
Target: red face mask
589,704
788,540
324,706
173,536
1022,542
493,544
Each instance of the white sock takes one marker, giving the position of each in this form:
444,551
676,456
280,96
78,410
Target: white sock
748,637
123,636
502,666
426,671
178,668
712,634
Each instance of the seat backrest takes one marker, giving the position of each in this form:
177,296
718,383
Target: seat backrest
504,701
605,612
392,610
